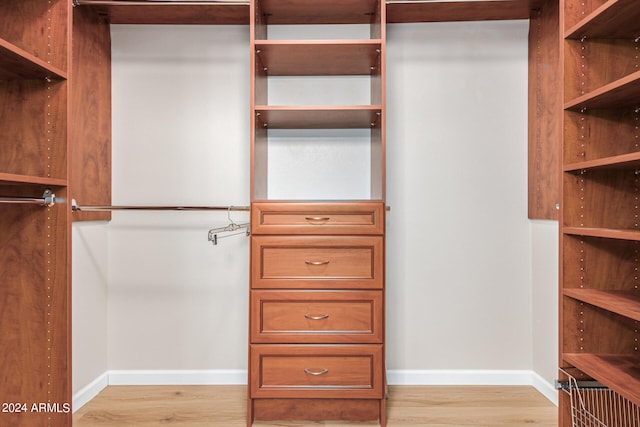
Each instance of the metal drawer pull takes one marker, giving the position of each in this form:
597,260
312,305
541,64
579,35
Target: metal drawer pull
310,372
320,317
317,218
316,262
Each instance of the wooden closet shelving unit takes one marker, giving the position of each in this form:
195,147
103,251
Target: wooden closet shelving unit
316,349
34,244
54,140
600,226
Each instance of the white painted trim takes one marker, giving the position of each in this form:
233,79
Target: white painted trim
178,377
473,377
547,389
90,391
458,377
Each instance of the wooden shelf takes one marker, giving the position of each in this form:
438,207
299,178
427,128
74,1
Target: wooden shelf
16,63
314,12
614,19
623,161
320,117
318,57
606,233
8,178
619,372
176,14
621,93
401,11
624,303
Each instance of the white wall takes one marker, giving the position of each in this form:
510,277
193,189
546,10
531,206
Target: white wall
89,307
462,257
459,242
180,137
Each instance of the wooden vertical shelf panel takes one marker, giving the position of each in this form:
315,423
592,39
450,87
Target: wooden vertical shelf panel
545,116
90,171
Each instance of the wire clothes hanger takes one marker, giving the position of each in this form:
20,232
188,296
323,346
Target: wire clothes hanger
229,230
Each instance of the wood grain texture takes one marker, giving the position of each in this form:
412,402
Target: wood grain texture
90,164
403,12
433,406
317,262
176,14
34,309
38,27
34,128
316,316
545,117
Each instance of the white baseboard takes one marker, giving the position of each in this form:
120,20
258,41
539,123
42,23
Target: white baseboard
473,377
178,377
239,377
458,377
547,389
90,391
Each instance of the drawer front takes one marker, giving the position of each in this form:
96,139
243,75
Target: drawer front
316,317
317,262
317,218
290,371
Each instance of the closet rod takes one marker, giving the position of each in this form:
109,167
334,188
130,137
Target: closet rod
48,199
160,2
77,208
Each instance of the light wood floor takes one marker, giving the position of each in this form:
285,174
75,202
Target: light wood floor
225,406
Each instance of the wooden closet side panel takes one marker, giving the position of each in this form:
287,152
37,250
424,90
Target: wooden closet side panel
35,333
545,112
90,118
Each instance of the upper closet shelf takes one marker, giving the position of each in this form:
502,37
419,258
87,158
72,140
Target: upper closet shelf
319,117
318,57
622,93
293,12
404,11
315,12
614,19
172,13
16,63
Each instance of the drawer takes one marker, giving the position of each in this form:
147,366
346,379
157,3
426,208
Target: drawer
316,317
317,262
317,218
331,371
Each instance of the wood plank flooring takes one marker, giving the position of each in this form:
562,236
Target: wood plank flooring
225,406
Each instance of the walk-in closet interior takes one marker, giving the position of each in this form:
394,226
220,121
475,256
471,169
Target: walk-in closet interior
318,199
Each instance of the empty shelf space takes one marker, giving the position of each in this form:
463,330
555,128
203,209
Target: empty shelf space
318,57
619,372
623,92
624,303
16,63
614,19
319,117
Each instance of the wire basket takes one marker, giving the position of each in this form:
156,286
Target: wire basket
593,405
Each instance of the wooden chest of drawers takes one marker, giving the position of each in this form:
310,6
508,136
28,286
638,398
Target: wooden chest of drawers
317,311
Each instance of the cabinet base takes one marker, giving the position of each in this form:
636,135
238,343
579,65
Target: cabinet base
317,410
